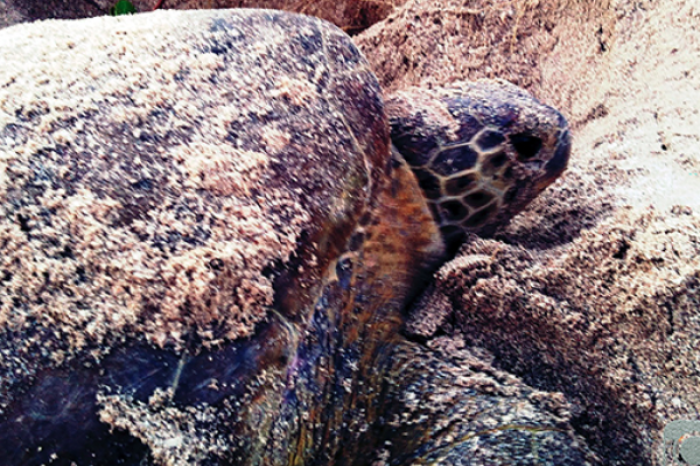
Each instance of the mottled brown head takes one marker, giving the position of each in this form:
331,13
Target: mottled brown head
481,151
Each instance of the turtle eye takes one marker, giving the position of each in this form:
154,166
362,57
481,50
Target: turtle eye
526,146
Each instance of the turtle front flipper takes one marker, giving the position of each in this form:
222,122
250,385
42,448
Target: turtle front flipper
467,413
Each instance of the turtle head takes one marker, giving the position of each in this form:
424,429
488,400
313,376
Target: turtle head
481,151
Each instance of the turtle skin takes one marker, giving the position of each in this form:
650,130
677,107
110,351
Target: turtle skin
209,241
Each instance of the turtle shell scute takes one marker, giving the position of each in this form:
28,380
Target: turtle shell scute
171,216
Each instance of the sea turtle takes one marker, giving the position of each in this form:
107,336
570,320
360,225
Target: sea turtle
212,223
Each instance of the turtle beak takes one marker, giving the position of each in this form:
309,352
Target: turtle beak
559,161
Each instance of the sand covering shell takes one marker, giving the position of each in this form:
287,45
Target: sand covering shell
162,194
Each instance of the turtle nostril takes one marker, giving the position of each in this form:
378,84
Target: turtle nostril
558,162
525,145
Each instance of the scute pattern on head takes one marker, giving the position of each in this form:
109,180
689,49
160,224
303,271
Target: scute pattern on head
480,150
